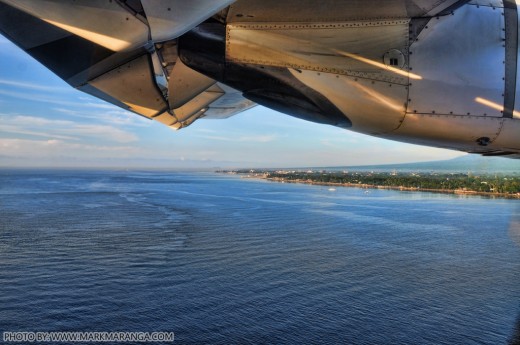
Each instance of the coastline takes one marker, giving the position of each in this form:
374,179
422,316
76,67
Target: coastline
397,188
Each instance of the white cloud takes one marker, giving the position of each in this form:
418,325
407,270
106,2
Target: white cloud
103,131
47,149
249,138
46,98
258,138
113,116
204,130
33,86
340,142
63,129
16,130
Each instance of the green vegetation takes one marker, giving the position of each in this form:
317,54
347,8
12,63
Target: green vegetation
437,182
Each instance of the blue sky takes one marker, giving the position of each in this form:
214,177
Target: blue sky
46,123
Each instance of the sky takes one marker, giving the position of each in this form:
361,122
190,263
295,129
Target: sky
44,122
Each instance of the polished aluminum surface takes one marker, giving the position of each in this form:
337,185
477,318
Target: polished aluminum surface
350,48
516,112
460,57
373,107
100,21
134,85
185,84
309,11
434,72
169,19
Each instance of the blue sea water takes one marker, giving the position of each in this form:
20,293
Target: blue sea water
223,260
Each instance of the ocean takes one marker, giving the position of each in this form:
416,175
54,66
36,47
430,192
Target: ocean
218,259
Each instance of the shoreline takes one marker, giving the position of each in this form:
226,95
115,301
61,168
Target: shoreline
397,188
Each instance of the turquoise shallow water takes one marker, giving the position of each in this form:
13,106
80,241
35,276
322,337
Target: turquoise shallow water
219,259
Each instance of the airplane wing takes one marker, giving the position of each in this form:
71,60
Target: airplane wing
124,52
441,73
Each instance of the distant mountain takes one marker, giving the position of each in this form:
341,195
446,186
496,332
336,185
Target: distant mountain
474,164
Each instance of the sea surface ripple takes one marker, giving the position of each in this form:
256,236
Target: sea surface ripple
223,260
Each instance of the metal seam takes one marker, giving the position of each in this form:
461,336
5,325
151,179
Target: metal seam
511,56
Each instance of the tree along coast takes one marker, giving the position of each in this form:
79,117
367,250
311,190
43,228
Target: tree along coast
454,183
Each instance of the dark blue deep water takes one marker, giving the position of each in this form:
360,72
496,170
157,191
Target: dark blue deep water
223,260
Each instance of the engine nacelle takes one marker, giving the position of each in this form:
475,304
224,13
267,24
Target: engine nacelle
466,95
447,81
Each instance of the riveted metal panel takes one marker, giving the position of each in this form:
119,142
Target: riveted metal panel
228,105
453,132
198,104
166,119
507,140
511,56
331,10
102,22
26,30
460,59
185,83
91,90
350,48
489,3
169,19
192,118
312,11
372,107
134,85
516,112
442,7
95,69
